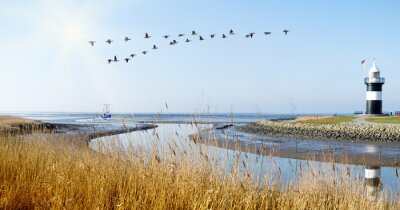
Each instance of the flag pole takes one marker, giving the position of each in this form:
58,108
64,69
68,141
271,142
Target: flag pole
364,71
363,67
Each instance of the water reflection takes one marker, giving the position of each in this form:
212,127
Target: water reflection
372,148
373,181
173,138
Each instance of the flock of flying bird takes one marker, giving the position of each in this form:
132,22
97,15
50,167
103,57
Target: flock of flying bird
174,42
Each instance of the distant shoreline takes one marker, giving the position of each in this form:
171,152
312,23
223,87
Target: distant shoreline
11,125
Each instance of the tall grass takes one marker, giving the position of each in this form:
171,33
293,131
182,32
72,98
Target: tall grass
41,172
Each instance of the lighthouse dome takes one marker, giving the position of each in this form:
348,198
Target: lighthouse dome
374,71
374,68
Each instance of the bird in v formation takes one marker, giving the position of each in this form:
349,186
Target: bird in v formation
286,32
174,42
109,41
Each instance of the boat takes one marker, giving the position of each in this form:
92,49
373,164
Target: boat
106,112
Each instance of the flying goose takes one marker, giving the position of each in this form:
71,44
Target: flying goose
194,33
144,52
180,35
109,41
201,38
285,31
115,59
133,55
188,40
109,61
250,35
223,36
212,36
92,42
146,36
127,59
155,47
267,33
231,32
166,36
127,39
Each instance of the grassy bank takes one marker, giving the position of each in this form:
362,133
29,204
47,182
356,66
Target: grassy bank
385,120
9,121
39,173
326,120
17,125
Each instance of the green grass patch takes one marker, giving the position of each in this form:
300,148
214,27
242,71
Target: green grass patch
329,120
386,120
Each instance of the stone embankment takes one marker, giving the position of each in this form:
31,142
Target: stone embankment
330,132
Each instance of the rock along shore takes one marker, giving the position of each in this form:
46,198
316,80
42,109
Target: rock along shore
381,133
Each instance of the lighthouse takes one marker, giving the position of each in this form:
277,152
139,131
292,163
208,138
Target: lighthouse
374,84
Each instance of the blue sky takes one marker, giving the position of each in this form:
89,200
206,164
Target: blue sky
47,65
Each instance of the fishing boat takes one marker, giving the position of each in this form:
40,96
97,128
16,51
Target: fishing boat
106,112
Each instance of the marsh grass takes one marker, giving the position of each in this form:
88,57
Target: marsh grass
11,125
41,172
9,121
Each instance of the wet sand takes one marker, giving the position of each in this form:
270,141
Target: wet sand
352,152
96,130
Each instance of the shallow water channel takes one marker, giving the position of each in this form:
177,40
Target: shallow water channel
375,179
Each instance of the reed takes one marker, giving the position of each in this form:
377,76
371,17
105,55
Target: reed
38,171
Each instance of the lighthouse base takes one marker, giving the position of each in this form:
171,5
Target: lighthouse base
374,115
374,107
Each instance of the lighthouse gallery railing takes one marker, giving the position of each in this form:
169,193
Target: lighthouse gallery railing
374,80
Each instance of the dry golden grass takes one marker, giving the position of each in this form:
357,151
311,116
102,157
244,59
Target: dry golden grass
42,174
8,121
15,125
